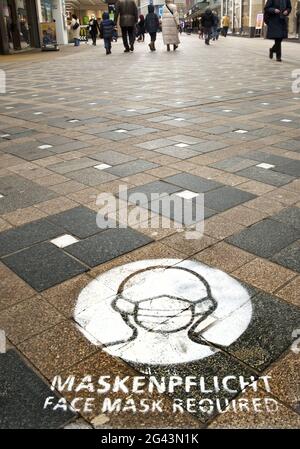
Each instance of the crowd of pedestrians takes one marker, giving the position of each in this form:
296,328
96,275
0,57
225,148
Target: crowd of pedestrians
134,26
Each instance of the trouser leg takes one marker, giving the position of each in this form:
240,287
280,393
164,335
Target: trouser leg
131,36
124,37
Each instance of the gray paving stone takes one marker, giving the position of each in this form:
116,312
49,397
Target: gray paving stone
73,165
22,397
107,245
269,333
44,265
265,238
91,176
131,168
112,157
290,145
79,221
289,257
266,176
154,144
152,188
21,237
180,153
193,182
225,198
291,168
290,216
208,146
233,164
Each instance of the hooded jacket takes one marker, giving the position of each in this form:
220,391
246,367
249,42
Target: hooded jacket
208,19
151,21
128,12
106,27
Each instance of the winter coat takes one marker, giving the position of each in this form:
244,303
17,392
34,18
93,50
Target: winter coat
208,19
277,23
93,26
75,34
170,23
106,27
141,26
151,21
128,12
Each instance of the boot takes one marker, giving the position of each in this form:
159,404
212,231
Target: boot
153,43
107,51
168,47
175,46
271,53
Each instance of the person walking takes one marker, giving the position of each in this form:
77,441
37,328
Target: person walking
170,25
216,25
225,24
93,29
128,12
152,26
75,30
107,31
276,18
141,29
207,21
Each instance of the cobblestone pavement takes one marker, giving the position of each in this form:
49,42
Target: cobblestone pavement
220,120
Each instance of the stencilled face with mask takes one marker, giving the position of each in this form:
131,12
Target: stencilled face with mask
164,307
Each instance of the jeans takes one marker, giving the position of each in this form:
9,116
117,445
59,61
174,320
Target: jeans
76,42
152,37
207,33
225,31
277,47
128,32
94,37
107,43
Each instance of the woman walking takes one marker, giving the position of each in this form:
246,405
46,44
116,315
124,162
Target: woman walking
276,17
170,24
152,26
141,29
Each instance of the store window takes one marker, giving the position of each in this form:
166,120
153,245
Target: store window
46,10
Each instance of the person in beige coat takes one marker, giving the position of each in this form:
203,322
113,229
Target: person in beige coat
170,25
75,32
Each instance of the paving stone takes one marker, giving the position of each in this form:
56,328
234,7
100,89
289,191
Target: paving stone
107,245
290,292
233,164
192,182
290,216
23,394
269,333
91,176
291,168
289,257
112,157
152,188
69,166
267,176
226,197
19,238
10,283
43,265
223,256
265,238
79,221
131,168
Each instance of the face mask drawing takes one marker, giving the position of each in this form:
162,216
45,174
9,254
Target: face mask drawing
164,307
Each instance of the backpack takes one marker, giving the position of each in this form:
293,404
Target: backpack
75,26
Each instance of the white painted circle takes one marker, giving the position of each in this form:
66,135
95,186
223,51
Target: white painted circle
161,311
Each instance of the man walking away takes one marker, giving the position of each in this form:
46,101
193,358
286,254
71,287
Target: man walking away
207,21
128,12
152,26
276,17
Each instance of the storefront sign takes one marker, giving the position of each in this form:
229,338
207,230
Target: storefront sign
259,21
48,33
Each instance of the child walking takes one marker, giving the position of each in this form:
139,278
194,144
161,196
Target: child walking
107,31
152,26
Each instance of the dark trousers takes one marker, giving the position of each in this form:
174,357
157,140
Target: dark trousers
277,47
94,37
153,37
225,31
107,43
128,32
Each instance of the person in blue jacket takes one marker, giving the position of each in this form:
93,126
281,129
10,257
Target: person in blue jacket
152,26
107,31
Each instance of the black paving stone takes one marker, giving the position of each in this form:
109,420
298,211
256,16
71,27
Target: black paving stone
290,216
107,245
79,221
225,198
27,235
22,397
269,333
193,183
265,238
44,265
289,257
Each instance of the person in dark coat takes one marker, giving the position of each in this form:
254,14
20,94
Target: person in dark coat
128,12
207,22
152,26
107,31
93,29
276,18
141,29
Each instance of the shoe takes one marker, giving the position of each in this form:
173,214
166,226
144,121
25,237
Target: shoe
278,59
206,41
168,47
126,50
175,46
271,53
131,48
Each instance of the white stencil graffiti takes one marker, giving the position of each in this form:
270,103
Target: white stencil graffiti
163,311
